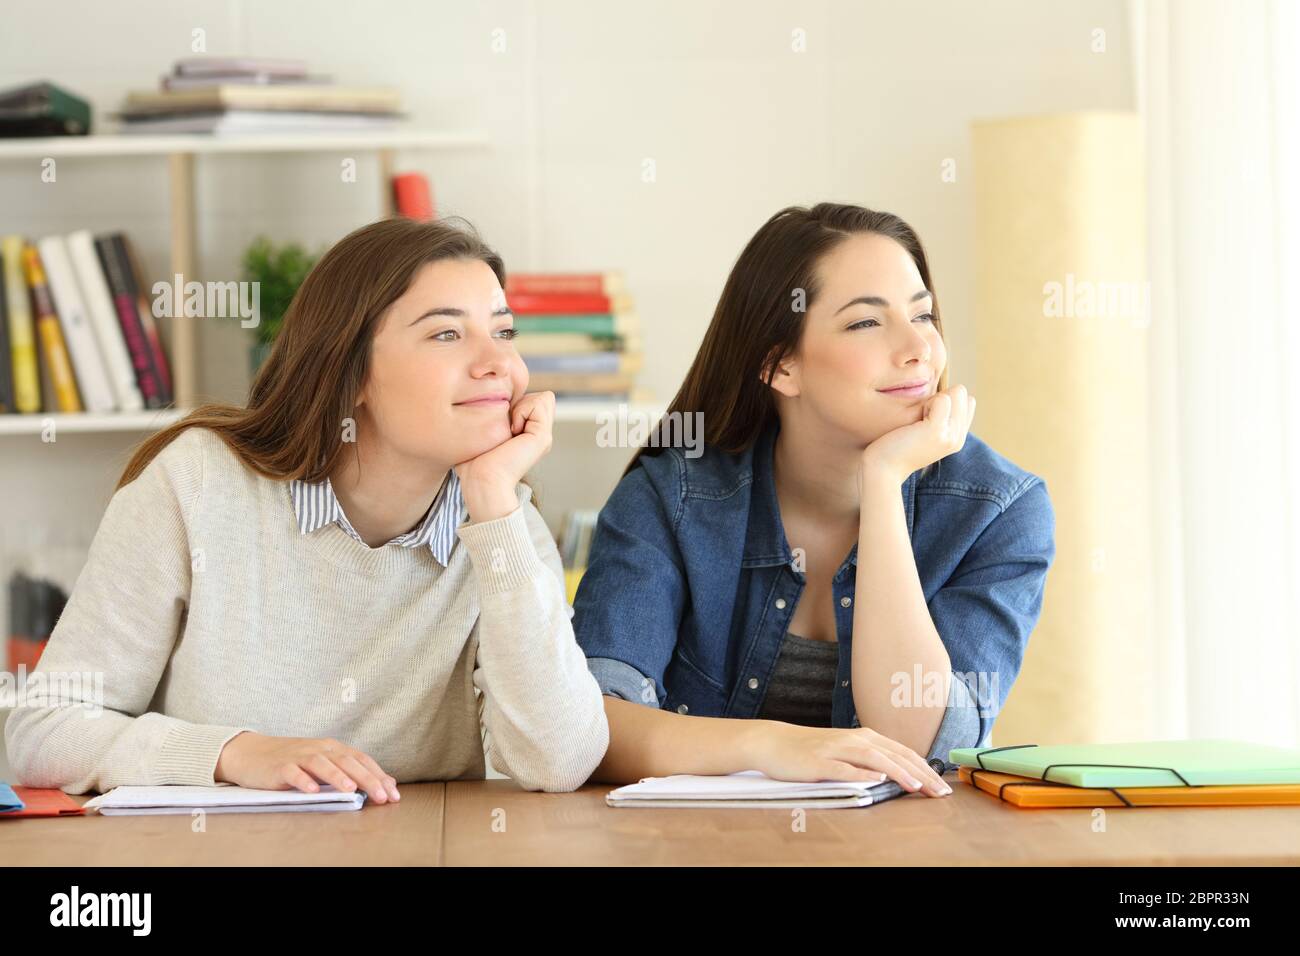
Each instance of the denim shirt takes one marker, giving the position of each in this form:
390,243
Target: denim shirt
691,585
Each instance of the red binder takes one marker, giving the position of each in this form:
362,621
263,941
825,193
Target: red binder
44,803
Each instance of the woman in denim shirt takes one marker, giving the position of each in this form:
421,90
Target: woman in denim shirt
719,610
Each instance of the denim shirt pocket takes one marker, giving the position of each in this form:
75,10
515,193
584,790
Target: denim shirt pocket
689,690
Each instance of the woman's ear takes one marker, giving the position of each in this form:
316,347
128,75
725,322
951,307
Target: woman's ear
785,375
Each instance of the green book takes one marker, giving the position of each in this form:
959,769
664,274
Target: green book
1157,763
599,324
42,109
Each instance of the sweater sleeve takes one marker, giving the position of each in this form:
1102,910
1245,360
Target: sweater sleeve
543,714
83,722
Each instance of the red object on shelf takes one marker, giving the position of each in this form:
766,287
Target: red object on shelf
412,196
24,652
559,283
523,303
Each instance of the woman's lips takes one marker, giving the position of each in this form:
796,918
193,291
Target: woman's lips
915,391
492,401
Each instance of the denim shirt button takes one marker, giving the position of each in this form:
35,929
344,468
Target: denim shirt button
682,708
780,604
846,601
753,683
844,683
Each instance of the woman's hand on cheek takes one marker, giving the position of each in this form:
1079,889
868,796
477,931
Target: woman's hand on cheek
488,481
942,430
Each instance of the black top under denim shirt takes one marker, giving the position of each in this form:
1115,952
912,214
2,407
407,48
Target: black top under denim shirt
801,688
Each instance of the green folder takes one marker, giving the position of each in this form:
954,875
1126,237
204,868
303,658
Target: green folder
1157,763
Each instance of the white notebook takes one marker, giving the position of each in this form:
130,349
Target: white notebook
751,788
128,801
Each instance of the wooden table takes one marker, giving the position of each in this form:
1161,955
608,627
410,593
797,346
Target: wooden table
408,833
966,828
495,823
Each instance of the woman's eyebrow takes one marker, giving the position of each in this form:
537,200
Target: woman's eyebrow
454,313
883,303
445,310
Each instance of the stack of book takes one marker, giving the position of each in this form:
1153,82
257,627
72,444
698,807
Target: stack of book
77,331
578,334
253,95
42,109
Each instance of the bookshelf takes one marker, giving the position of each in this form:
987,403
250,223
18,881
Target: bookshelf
181,150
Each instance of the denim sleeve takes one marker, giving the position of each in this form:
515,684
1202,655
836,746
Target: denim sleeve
985,612
617,679
960,726
630,601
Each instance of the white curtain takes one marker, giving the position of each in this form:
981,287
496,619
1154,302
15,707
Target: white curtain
1219,92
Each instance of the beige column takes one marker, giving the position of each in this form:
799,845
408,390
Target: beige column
1062,328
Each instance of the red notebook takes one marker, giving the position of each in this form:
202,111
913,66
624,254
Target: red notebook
44,803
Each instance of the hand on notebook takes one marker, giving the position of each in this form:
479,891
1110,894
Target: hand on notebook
262,762
793,752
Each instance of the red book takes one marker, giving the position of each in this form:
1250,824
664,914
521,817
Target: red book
412,196
564,283
121,287
136,277
525,303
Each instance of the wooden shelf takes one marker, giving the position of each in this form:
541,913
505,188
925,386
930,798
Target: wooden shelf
586,411
130,144
32,424
146,421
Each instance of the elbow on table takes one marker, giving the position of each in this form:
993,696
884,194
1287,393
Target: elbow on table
561,770
24,743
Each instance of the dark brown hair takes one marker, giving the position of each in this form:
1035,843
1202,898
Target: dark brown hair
756,325
292,426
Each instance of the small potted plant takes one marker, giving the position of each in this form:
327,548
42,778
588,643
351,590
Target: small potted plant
279,270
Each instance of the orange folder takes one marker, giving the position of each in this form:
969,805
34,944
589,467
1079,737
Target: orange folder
1030,793
44,803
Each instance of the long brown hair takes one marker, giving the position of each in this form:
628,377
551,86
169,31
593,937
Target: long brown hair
756,325
292,426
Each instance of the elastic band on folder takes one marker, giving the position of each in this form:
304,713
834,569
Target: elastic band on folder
979,757
974,775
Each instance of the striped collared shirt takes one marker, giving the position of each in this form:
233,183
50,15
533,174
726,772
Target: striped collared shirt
316,505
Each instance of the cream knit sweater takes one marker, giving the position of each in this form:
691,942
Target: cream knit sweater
202,611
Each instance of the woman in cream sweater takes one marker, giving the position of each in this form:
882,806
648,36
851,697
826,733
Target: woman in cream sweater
344,582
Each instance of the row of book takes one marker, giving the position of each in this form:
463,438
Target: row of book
77,331
577,333
221,95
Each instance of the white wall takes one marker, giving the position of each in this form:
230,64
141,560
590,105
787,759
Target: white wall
736,122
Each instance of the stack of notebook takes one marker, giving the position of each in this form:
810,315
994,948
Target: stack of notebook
751,789
223,798
1171,773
